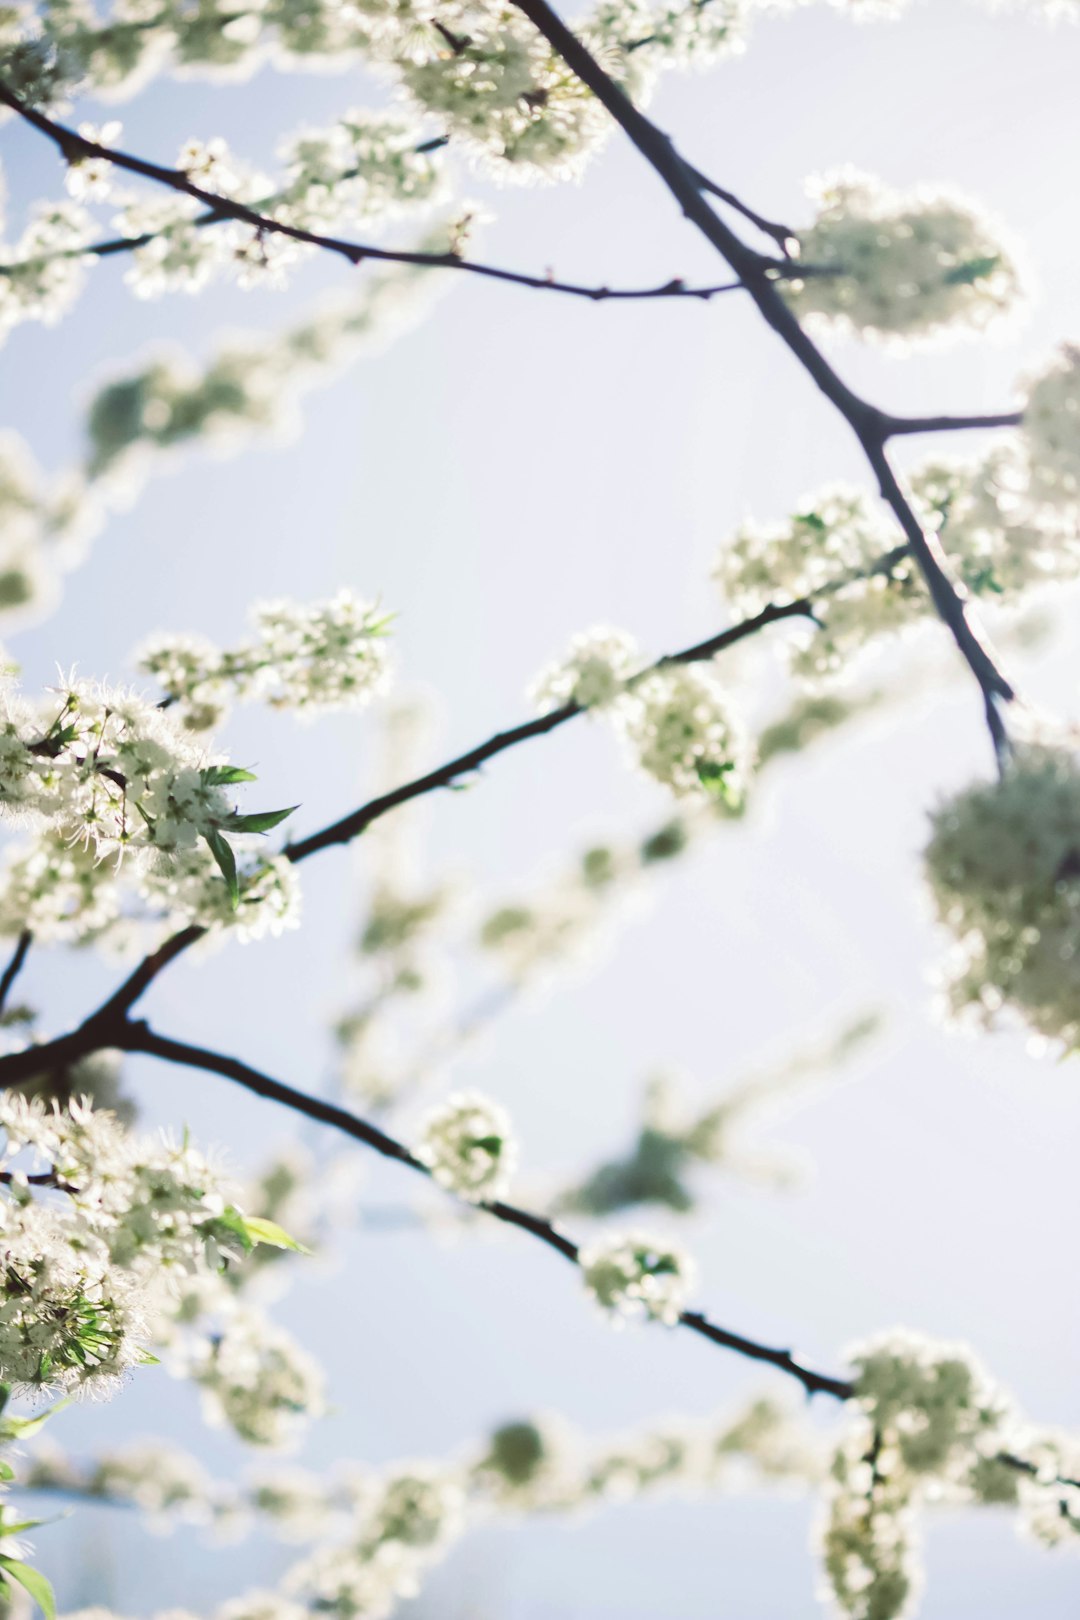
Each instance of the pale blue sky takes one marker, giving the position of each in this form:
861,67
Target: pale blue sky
516,469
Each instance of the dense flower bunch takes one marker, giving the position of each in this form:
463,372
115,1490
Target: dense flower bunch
61,891
867,1536
90,1256
468,1146
43,272
593,674
367,167
682,732
841,555
635,1276
402,1524
254,1377
932,1426
893,265
188,888
1003,863
314,658
675,718
1051,432
105,768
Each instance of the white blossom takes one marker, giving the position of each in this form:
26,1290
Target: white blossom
86,1276
906,266
682,732
468,1146
593,674
255,1378
1051,431
636,1275
1004,870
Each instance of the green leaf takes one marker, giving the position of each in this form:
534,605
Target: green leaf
34,1582
971,270
6,1470
235,1224
260,1230
221,850
261,821
22,1428
23,1524
226,775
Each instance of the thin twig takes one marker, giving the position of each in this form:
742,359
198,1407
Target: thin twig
782,235
138,1037
15,965
348,827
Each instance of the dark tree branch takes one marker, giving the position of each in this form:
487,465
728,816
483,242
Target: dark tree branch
96,1031
782,235
870,425
897,426
74,147
138,1037
15,965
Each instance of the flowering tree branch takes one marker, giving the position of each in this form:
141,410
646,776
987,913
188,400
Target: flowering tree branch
872,427
95,1033
137,1036
74,146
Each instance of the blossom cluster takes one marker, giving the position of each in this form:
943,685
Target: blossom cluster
254,1378
905,267
931,1427
840,554
314,658
1003,865
1051,432
478,68
468,1146
675,718
92,1252
634,1275
367,167
105,768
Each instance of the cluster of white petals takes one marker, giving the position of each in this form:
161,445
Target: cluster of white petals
1051,432
899,265
468,1145
675,718
43,271
842,556
188,888
91,1253
932,1426
312,657
634,1275
1003,864
593,674
682,732
254,1378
